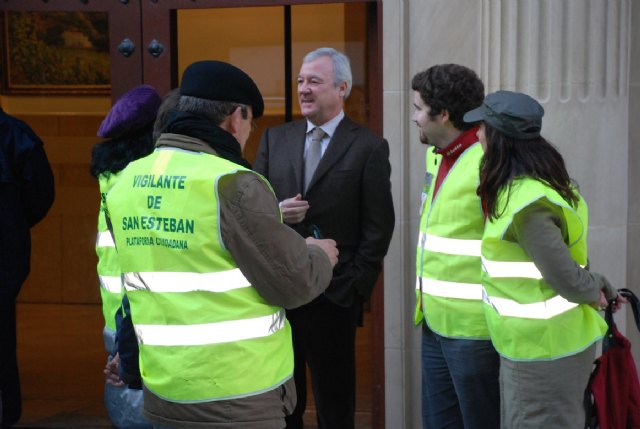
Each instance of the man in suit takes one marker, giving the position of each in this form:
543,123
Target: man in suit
347,197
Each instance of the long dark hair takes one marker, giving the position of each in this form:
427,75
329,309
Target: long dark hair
113,155
506,158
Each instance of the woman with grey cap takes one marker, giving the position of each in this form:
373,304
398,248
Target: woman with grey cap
541,300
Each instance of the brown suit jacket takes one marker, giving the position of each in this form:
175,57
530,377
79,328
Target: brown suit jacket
349,198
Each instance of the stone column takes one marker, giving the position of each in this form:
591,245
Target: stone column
633,243
402,388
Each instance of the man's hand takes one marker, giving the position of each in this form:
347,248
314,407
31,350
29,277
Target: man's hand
111,372
294,209
328,246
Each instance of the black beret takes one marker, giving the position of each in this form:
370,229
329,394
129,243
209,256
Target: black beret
219,81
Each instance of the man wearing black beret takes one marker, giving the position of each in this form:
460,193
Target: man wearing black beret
209,267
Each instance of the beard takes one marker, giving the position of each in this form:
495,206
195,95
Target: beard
423,139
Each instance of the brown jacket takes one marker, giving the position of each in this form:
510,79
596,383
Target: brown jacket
283,269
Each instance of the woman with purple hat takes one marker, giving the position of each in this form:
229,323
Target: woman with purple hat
541,302
128,129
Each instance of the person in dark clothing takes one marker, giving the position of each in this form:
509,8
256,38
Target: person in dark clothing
26,194
128,351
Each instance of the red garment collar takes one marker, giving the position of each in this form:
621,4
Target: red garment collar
459,145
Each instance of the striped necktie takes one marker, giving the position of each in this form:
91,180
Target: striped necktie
314,153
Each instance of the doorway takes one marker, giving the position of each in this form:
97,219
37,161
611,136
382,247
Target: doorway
60,345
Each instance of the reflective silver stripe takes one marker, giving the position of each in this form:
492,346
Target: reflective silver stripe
537,310
186,282
105,239
112,284
512,269
452,246
210,333
498,269
447,289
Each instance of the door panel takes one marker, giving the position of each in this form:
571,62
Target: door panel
60,349
216,34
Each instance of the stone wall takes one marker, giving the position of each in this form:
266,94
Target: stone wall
574,56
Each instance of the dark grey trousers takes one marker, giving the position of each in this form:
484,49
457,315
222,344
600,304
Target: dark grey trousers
545,394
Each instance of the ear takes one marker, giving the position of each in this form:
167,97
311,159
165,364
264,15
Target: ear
444,113
234,121
342,89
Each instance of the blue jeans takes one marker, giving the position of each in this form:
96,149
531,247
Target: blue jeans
460,387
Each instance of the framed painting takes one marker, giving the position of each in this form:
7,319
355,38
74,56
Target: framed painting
55,53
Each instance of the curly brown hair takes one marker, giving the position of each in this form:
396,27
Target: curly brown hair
451,87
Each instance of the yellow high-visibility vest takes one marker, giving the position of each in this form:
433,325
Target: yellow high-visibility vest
527,319
205,333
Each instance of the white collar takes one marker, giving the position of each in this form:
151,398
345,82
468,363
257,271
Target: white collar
328,127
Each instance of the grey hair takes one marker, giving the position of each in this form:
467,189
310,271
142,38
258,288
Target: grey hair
213,110
341,66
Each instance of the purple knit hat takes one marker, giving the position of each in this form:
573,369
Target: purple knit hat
132,112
